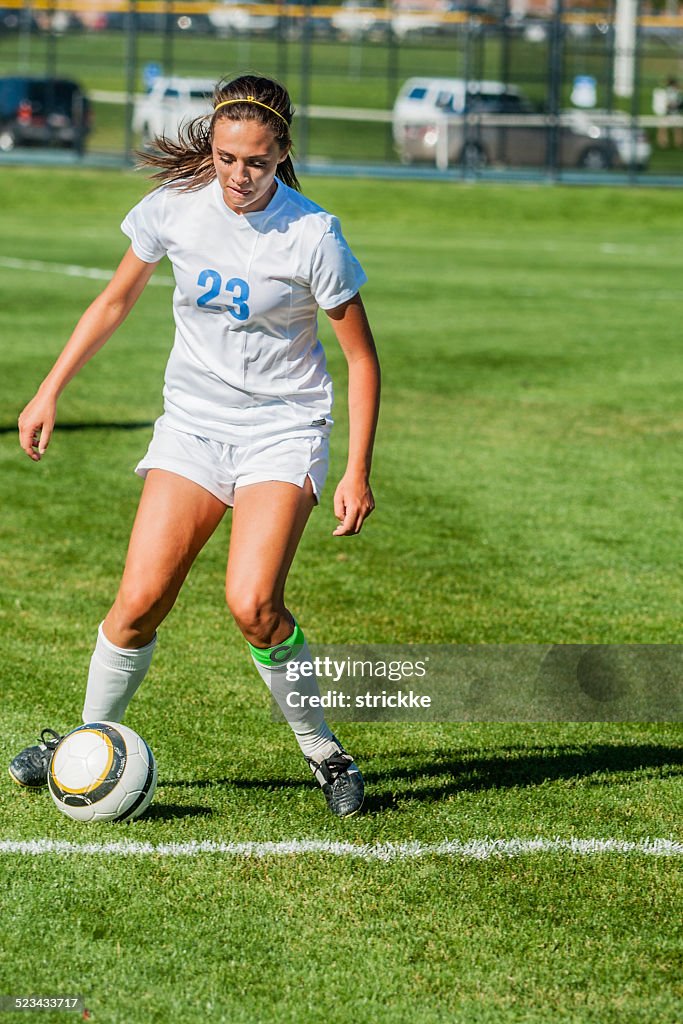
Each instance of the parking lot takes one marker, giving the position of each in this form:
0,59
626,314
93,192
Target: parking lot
349,69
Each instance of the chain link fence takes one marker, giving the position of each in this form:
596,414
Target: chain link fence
429,88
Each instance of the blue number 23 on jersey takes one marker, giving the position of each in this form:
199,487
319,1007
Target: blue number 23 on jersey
236,287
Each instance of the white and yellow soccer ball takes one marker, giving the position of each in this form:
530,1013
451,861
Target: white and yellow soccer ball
102,771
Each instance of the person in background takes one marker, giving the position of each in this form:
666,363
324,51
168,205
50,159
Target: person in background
667,103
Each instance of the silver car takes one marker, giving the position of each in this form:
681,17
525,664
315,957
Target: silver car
453,121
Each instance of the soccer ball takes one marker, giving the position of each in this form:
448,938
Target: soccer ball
102,771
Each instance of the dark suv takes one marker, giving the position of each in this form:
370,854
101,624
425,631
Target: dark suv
42,112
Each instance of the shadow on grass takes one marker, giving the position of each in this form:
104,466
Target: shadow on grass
449,771
513,767
134,425
264,784
172,812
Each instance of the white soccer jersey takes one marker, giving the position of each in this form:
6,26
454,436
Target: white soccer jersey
246,362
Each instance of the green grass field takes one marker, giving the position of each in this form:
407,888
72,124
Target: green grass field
527,480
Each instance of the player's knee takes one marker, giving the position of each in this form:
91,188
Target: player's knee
137,612
257,617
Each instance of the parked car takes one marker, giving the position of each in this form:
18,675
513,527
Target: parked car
427,17
451,120
170,103
355,19
632,143
233,18
43,112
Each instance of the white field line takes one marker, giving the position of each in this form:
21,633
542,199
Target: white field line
478,849
70,270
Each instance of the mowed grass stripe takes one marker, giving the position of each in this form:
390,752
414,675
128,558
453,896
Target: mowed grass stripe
103,274
69,270
481,849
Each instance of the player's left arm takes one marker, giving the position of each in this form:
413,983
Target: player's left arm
353,500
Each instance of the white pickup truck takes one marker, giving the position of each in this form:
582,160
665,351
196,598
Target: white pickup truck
170,103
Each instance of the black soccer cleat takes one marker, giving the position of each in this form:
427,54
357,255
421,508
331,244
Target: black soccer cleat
341,782
30,767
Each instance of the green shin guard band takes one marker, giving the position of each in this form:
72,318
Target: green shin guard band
281,653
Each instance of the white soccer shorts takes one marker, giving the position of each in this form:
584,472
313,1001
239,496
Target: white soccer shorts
220,468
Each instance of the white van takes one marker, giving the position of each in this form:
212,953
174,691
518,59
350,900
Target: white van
169,103
421,98
423,105
502,126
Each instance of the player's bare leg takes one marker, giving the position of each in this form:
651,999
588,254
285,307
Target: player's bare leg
268,522
174,520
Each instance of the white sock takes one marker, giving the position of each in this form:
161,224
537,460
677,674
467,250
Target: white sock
114,677
308,724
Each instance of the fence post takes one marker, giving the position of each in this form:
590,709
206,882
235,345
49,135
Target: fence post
392,84
442,143
505,44
131,75
554,90
169,38
24,52
283,30
467,75
51,42
305,81
635,98
611,52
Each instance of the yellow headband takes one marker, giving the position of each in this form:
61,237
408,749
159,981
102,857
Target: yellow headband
251,99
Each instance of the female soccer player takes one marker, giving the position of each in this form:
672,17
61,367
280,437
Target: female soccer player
247,404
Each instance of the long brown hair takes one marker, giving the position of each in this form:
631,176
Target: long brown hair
187,163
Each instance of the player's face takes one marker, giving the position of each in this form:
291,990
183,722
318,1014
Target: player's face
246,155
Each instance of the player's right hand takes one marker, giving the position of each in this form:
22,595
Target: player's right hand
36,424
